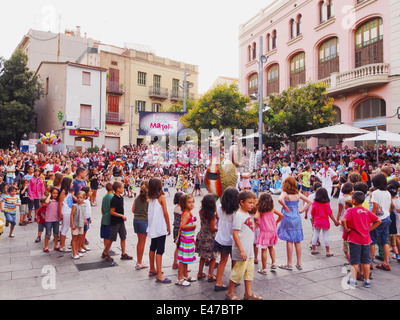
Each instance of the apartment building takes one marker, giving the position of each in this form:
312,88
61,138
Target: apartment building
350,45
74,104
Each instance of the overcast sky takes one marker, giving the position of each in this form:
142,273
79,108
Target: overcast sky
203,32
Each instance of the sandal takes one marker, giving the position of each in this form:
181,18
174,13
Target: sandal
166,280
190,279
299,267
252,297
152,274
285,267
182,283
262,271
231,297
220,288
383,267
212,278
273,266
141,266
314,252
328,254
201,276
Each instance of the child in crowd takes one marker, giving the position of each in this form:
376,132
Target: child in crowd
35,192
186,247
268,236
223,239
205,237
52,219
9,206
40,216
118,218
321,212
348,203
393,187
242,248
176,224
79,182
105,228
78,221
358,222
65,203
23,195
158,229
88,199
290,228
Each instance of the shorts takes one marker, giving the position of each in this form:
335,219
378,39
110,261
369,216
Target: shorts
33,204
118,229
105,232
23,209
41,227
346,246
140,226
86,227
221,248
197,186
392,239
53,225
381,233
77,231
305,189
166,190
157,245
360,254
243,270
11,217
9,180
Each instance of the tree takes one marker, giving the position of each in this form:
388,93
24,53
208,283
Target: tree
223,107
297,110
19,91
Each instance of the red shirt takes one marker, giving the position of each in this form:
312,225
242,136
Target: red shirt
359,221
41,215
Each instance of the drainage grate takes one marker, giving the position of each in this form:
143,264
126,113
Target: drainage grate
95,265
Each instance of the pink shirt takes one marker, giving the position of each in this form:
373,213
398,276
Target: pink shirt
52,211
359,221
320,213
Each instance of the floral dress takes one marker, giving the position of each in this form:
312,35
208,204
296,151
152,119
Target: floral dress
205,240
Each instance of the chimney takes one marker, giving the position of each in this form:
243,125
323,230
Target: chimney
78,32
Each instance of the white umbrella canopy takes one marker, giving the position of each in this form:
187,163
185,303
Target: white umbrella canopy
377,136
340,131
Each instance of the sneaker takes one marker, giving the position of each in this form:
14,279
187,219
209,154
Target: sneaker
126,257
82,251
367,284
76,257
352,283
38,239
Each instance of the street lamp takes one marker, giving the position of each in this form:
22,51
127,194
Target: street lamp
262,60
186,85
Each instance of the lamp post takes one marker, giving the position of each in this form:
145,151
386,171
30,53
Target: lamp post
185,86
262,60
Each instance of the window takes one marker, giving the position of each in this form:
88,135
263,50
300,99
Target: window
113,103
296,27
142,78
328,58
86,78
155,107
273,40
175,88
113,80
369,109
326,10
338,112
254,51
253,83
85,116
369,43
140,106
297,70
273,79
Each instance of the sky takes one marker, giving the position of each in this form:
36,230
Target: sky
203,33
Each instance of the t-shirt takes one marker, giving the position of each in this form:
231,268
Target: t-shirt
141,210
77,185
359,220
306,178
41,215
285,171
106,202
10,204
24,196
224,233
243,222
117,202
52,211
383,199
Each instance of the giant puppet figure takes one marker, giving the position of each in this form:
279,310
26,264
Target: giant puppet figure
222,173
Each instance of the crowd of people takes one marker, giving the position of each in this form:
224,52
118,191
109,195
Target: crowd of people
61,189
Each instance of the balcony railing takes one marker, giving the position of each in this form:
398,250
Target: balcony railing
178,95
158,93
115,117
115,87
364,76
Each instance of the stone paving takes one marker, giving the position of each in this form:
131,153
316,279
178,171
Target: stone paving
26,272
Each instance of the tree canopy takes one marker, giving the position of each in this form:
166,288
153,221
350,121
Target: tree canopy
19,91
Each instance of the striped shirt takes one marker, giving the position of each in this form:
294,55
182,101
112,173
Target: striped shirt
10,204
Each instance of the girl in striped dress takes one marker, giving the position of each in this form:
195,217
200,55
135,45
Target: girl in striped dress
186,248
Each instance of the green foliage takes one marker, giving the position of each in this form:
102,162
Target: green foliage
19,91
297,110
95,149
221,108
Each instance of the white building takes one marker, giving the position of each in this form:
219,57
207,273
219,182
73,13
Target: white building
74,103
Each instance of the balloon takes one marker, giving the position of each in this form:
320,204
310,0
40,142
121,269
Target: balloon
83,139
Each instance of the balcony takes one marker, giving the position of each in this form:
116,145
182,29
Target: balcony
115,87
360,78
158,93
115,117
178,95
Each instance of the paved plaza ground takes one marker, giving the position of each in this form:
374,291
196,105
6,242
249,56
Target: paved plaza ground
26,272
